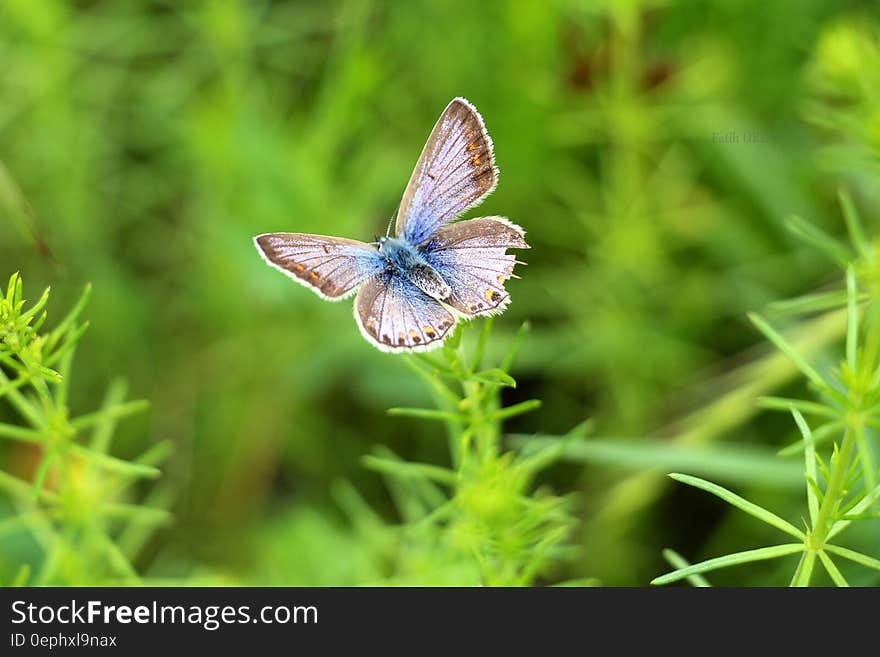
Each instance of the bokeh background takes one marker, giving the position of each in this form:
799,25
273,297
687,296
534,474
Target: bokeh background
652,150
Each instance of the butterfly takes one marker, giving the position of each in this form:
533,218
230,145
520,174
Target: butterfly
414,286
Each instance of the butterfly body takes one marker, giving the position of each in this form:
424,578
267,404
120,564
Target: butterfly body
413,287
408,261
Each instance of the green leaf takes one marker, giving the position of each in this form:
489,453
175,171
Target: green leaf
513,352
21,434
677,561
742,464
771,334
866,458
804,570
516,409
61,330
809,464
819,239
37,307
480,347
19,488
854,224
70,341
760,554
111,412
810,303
103,432
426,414
732,498
136,513
808,407
820,436
408,469
836,575
852,318
497,376
852,555
41,473
116,465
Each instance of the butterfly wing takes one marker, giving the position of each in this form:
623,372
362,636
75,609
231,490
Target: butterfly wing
395,315
332,267
455,172
472,258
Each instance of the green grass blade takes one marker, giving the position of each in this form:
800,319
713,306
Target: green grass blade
854,224
477,361
852,318
425,414
735,464
809,464
20,434
409,469
832,570
785,347
677,561
103,432
852,555
112,412
116,465
821,435
732,498
809,303
782,344
510,356
804,570
516,409
819,239
136,513
760,554
866,458
496,376
807,407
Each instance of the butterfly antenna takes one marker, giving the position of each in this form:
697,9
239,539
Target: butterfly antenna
391,221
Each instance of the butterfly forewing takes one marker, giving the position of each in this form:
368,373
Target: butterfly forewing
455,171
471,257
395,315
331,266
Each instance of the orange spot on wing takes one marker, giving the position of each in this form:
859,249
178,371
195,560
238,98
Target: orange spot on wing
298,267
314,274
475,160
472,146
489,293
430,332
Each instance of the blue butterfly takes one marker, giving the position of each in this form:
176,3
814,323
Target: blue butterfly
414,286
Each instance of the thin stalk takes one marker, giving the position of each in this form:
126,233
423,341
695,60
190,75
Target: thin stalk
833,492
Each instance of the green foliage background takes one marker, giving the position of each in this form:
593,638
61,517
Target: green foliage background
144,143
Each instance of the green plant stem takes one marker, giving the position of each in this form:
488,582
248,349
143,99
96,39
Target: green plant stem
833,493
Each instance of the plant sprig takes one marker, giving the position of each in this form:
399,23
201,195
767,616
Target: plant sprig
76,502
841,488
479,517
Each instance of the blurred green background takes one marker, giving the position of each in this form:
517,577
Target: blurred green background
143,144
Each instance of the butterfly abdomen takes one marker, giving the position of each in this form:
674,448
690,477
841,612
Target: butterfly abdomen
429,281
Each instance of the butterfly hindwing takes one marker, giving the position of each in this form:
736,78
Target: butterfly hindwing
332,267
395,315
455,172
471,257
